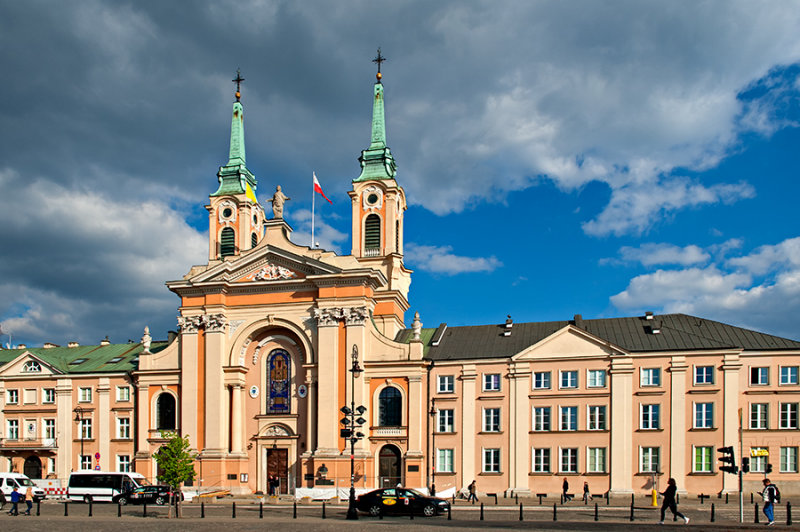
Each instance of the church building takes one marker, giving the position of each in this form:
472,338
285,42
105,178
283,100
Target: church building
278,343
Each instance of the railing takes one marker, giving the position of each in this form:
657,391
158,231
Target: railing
372,252
16,444
386,432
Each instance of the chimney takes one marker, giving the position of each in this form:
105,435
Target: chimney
105,341
49,345
648,315
73,344
509,324
22,346
578,319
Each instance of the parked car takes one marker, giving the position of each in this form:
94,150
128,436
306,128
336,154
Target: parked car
400,501
9,481
159,494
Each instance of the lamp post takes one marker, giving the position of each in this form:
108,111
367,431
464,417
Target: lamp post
79,418
350,431
433,445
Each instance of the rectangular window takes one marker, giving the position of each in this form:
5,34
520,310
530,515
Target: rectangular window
49,429
649,417
788,459
568,461
86,429
649,459
491,382
84,395
569,418
445,421
759,376
86,462
123,463
541,460
569,379
704,374
597,418
491,420
703,459
541,380
596,459
758,464
444,460
759,415
12,397
788,418
541,418
650,377
12,429
48,396
123,394
788,374
704,415
124,428
491,460
596,378
29,396
446,384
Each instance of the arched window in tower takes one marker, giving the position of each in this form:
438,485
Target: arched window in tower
253,240
390,407
372,236
279,382
227,242
165,412
397,236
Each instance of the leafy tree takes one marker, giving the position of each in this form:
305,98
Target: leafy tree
176,462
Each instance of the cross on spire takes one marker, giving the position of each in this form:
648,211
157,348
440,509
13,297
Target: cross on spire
379,59
239,79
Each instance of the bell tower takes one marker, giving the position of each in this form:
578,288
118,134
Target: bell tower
378,204
236,219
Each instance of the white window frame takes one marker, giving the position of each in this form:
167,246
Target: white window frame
565,457
763,371
49,429
788,420
491,419
759,412
445,420
596,417
85,394
490,460
571,413
123,394
85,462
758,464
124,466
539,421
594,456
592,378
85,429
788,459
703,415
445,460
12,429
124,428
545,375
650,408
47,400
541,459
12,396
648,452
706,455
491,382
790,377
698,382
649,377
572,383
445,384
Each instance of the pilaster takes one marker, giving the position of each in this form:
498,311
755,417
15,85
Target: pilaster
328,389
677,435
105,430
731,366
416,412
518,422
217,422
67,452
190,389
468,395
622,455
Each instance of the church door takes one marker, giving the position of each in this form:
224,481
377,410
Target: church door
390,467
278,466
33,467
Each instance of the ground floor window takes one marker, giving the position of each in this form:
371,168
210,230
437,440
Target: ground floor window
491,460
703,459
648,459
788,459
123,463
86,461
758,464
444,460
541,460
596,459
569,460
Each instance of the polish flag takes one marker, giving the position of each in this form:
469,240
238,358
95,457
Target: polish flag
318,188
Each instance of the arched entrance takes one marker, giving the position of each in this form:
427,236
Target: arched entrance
33,467
390,466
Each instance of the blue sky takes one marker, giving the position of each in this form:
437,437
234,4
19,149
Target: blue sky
601,158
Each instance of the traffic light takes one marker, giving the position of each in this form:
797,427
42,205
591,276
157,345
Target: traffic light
728,460
745,464
768,470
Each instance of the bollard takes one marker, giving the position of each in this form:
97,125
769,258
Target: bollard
294,510
756,518
516,499
144,509
712,512
751,497
631,511
540,499
555,509
608,498
323,509
90,507
119,510
596,514
788,514
38,504
520,512
202,509
261,509
449,517
481,511
66,509
677,498
233,511
703,497
632,499
495,498
726,498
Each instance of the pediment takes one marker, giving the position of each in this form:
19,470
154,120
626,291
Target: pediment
569,342
27,365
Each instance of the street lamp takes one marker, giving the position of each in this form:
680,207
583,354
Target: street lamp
79,419
433,445
351,425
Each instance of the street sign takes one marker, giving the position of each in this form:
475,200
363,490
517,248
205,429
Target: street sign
97,456
97,468
759,452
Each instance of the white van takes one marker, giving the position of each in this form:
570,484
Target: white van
88,486
9,481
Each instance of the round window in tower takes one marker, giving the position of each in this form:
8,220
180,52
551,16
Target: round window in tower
227,212
255,219
372,199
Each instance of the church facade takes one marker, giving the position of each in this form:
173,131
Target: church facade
270,333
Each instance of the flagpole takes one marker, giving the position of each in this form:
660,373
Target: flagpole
313,204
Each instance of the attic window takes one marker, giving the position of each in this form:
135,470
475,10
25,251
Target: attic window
78,361
115,360
31,366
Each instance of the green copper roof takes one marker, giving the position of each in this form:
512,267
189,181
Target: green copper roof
112,358
234,178
377,161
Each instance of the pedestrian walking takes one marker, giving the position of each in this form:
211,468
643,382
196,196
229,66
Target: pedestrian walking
15,496
771,495
29,500
565,496
669,502
587,496
472,496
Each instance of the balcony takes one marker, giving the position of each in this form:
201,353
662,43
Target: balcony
28,444
372,252
389,432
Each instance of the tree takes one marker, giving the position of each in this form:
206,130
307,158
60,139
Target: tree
176,462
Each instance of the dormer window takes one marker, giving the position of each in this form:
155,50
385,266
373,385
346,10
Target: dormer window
31,366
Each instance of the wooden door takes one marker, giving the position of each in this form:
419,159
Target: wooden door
278,466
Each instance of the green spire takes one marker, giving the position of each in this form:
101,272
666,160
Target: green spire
377,161
234,178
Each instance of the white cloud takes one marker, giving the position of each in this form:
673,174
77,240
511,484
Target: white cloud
652,254
327,236
440,259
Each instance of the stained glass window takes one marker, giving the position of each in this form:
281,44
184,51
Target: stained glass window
278,382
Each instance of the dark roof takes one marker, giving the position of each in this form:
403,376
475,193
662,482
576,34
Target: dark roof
98,357
677,332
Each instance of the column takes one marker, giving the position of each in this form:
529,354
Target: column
190,386
67,452
105,425
311,411
468,432
678,452
237,412
518,422
622,454
216,401
731,365
328,389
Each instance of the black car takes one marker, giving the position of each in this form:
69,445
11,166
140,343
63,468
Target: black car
145,495
400,501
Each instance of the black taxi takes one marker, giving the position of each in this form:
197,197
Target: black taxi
401,501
